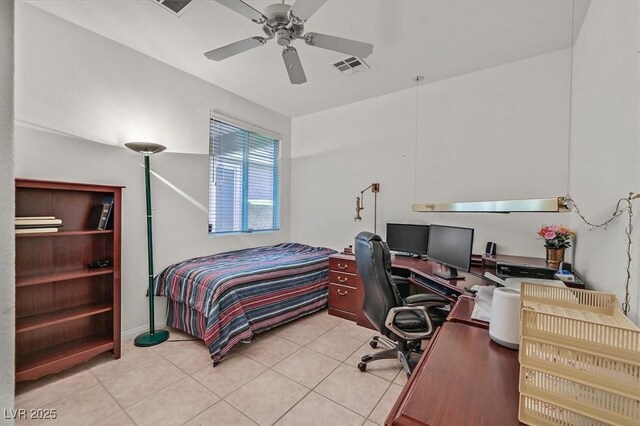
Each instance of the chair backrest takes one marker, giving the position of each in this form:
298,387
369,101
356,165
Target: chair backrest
373,261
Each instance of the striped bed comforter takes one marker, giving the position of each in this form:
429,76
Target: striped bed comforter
226,298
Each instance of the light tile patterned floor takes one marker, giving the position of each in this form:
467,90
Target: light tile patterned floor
303,373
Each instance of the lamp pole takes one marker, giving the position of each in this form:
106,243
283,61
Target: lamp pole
153,337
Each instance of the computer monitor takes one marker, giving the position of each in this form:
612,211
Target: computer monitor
451,246
408,239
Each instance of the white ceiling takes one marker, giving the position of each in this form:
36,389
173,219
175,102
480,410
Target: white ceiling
438,39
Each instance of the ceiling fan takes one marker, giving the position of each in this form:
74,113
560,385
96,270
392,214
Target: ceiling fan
286,23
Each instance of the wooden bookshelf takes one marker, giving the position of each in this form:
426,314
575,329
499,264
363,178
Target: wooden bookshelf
66,313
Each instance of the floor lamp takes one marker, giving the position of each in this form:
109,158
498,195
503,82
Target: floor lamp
153,337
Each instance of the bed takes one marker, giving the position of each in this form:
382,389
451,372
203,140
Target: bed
226,298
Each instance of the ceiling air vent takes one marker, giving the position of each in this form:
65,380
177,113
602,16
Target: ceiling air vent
174,6
350,65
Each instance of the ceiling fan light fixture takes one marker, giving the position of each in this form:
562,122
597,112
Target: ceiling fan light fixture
283,37
286,23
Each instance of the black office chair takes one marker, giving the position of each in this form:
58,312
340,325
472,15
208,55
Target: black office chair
403,322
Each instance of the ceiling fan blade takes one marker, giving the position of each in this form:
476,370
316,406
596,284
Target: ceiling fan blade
303,9
244,9
339,44
294,66
229,50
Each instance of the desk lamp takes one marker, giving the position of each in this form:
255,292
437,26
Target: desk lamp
153,337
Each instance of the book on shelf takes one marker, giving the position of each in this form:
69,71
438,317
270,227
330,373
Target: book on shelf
107,199
34,217
37,226
37,221
35,230
100,216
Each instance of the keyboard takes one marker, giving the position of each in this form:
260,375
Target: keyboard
436,287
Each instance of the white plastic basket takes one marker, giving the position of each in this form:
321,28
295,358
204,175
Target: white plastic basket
536,412
579,397
579,357
586,305
606,371
582,319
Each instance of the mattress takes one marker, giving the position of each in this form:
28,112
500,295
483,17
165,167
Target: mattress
226,298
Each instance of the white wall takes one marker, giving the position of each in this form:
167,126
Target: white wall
605,142
500,133
7,211
76,88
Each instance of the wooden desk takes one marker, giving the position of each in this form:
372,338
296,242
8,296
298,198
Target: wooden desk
464,378
422,274
346,293
462,310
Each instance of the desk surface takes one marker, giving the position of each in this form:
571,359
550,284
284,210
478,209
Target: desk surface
463,379
462,311
427,268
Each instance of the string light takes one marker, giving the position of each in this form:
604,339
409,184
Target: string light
626,306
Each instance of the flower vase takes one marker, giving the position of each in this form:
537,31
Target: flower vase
555,256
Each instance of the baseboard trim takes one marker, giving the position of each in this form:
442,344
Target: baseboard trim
131,334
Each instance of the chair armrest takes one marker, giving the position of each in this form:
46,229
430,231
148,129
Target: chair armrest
407,335
426,298
400,280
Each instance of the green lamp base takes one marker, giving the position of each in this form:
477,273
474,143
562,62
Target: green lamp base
149,339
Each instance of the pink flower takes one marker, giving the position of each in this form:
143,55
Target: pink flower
549,235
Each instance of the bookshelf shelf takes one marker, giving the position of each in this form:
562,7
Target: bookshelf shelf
62,276
62,356
51,318
66,313
63,233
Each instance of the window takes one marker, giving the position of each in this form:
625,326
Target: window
244,179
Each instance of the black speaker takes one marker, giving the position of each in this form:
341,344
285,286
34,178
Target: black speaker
491,248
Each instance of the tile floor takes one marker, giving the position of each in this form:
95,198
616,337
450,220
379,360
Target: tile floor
302,373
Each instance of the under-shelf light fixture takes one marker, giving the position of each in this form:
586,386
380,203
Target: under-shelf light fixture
531,205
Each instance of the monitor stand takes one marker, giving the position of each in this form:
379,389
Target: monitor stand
452,275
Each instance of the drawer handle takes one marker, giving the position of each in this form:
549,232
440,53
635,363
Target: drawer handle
342,280
342,293
343,267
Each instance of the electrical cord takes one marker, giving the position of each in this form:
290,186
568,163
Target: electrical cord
628,231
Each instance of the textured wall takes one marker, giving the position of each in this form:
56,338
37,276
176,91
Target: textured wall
7,208
496,134
606,142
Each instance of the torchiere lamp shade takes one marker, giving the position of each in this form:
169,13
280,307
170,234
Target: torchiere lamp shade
145,148
153,337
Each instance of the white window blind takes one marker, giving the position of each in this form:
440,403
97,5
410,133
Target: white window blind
244,179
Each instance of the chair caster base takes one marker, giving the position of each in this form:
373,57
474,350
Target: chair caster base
362,367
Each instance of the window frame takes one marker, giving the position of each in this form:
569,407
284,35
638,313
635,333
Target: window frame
244,206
